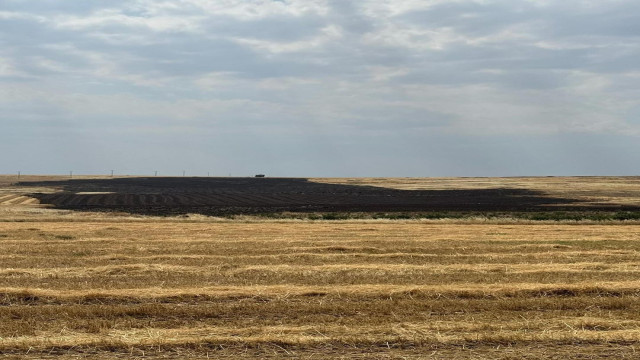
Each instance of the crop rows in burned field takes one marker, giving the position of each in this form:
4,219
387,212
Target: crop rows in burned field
212,196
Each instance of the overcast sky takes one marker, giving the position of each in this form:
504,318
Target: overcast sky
320,87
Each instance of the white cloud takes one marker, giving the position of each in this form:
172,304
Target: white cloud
257,9
14,15
385,73
412,37
8,68
385,9
115,17
326,35
216,80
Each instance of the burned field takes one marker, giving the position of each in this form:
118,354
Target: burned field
220,196
88,271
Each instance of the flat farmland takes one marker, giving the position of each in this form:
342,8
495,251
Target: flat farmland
86,284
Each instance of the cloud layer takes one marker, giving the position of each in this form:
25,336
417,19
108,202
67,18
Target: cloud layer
320,87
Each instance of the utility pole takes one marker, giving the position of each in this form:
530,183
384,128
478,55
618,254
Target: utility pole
18,175
111,173
183,173
208,174
70,174
156,173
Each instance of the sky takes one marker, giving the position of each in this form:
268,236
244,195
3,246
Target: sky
320,87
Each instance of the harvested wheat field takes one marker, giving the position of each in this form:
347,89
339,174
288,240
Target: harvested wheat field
111,285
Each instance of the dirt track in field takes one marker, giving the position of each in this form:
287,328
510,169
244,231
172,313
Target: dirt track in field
217,196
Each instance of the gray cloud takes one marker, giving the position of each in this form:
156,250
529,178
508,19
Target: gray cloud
282,82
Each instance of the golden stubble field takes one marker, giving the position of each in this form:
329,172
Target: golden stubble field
87,285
